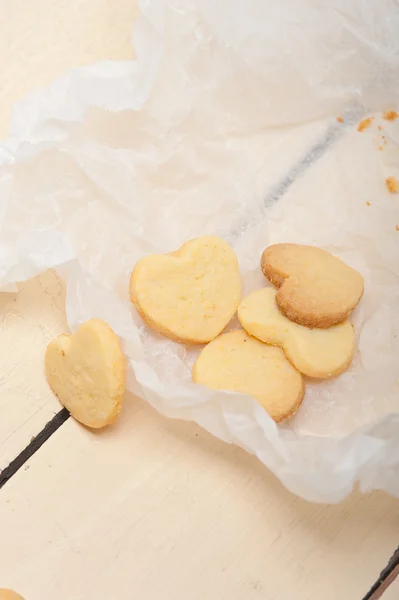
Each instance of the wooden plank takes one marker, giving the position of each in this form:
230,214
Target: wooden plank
42,39
154,508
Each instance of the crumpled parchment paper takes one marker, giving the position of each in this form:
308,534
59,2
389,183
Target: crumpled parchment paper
227,124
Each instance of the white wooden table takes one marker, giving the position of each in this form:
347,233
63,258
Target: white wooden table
151,508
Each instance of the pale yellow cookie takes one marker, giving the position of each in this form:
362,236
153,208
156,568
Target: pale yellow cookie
237,362
189,295
87,371
9,595
316,289
314,352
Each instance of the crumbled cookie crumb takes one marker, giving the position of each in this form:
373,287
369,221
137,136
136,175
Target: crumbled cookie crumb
340,119
397,227
365,124
379,147
379,128
390,115
392,185
368,203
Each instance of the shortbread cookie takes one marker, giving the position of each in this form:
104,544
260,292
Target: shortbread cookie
87,371
9,595
237,362
189,295
316,288
314,352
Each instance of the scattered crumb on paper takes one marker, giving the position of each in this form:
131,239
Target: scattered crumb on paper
392,185
340,119
390,115
365,124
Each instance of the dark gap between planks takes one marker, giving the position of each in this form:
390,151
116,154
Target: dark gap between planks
36,443
387,576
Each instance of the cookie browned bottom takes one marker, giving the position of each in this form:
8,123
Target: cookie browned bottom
316,289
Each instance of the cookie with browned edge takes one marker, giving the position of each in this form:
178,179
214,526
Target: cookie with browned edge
316,289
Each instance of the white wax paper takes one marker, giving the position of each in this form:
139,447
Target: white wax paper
227,124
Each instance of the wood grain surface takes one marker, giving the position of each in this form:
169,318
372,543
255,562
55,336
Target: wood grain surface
150,508
154,508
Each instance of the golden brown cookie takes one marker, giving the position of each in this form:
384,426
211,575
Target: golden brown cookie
317,353
316,289
189,295
237,362
9,595
87,371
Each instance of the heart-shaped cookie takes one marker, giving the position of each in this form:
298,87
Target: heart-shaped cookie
314,352
189,295
237,362
9,595
87,371
316,289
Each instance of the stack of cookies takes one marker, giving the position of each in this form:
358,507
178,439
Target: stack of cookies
300,328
